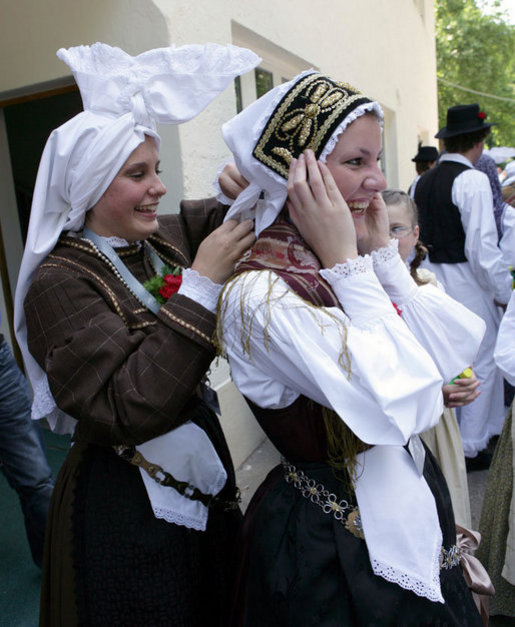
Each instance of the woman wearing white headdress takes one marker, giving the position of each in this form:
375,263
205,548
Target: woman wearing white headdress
341,357
115,317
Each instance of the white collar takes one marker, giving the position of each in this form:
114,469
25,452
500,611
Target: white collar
457,157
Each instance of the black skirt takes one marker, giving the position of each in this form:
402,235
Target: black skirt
109,561
301,567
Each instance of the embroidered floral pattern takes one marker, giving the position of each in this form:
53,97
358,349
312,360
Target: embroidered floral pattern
305,118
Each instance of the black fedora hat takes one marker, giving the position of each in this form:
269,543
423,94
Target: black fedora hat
463,119
426,153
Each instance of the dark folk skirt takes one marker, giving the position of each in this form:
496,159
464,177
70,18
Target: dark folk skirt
494,524
109,561
301,567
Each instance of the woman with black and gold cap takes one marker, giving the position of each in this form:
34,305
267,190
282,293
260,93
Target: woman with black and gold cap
341,358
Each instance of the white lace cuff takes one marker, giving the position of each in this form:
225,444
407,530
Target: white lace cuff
200,289
359,265
385,254
393,273
358,289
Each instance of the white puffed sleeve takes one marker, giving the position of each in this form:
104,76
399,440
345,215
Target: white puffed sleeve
364,363
504,353
449,331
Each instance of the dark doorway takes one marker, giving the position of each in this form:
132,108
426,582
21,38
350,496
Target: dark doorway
28,126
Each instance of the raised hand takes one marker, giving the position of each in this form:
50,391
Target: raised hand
231,182
319,211
461,392
377,226
219,252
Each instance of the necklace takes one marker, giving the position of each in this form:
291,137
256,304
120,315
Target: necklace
145,297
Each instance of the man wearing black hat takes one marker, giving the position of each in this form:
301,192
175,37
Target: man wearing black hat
424,160
458,227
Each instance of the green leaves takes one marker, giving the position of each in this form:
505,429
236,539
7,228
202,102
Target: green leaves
476,51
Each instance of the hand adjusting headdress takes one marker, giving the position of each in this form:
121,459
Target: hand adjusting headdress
310,111
123,98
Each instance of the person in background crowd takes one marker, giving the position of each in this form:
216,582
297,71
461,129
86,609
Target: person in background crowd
444,439
458,227
425,159
497,524
486,164
505,222
115,313
508,184
22,454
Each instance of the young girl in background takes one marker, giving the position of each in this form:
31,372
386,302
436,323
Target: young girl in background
444,439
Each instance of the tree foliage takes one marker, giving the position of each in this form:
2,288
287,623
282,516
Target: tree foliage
477,51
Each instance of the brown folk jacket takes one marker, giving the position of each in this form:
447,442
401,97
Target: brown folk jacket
125,374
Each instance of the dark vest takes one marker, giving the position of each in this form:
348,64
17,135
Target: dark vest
441,229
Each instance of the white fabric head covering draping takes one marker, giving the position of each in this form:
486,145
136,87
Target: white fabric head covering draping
123,98
241,135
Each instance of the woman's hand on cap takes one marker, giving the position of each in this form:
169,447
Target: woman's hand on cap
319,211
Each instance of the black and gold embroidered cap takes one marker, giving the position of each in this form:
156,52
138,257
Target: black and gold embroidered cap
306,117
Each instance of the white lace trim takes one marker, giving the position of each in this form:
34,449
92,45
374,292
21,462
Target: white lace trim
44,406
430,590
387,253
200,289
181,519
137,82
117,242
352,267
353,115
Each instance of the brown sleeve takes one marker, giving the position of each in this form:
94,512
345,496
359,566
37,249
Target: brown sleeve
200,218
124,385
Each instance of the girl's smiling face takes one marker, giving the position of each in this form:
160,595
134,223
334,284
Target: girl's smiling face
354,164
128,207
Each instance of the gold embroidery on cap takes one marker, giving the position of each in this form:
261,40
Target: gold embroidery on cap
305,118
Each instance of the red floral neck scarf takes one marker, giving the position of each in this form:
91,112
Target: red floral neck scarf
281,249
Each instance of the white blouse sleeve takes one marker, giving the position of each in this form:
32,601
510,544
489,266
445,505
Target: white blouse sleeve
472,194
448,331
507,243
504,354
365,363
200,289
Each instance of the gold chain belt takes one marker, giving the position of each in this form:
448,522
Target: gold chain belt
329,504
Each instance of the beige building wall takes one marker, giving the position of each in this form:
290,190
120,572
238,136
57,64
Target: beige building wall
386,48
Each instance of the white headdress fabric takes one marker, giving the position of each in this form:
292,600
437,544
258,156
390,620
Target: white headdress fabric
241,135
123,98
